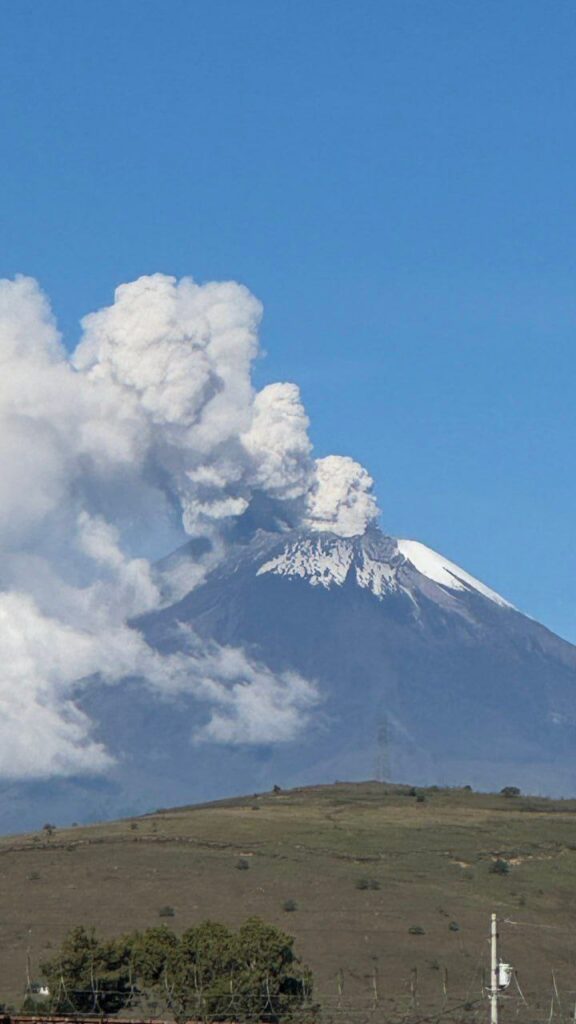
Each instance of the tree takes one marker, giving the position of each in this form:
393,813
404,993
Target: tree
271,983
186,973
89,975
154,955
210,973
208,968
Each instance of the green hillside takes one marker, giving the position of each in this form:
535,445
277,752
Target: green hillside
387,891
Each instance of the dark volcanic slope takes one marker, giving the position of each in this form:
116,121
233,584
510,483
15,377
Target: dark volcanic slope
424,675
432,681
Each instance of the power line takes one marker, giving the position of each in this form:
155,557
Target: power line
536,924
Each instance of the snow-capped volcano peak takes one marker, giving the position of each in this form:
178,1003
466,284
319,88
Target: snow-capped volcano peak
374,562
439,569
327,560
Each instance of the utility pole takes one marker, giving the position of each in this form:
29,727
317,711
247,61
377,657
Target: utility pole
494,978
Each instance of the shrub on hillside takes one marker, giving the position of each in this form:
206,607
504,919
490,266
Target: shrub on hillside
499,867
167,911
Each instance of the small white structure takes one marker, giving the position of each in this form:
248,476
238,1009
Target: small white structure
38,988
505,972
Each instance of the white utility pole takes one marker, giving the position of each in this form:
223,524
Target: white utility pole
494,979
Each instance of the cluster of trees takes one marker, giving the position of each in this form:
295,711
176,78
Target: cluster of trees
210,972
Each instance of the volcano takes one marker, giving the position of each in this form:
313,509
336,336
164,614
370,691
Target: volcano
421,674
424,673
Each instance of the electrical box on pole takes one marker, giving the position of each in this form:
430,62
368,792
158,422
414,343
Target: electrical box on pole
505,972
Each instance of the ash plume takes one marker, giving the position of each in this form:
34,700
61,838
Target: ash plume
149,432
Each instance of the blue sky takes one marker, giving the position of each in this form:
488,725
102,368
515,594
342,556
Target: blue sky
395,180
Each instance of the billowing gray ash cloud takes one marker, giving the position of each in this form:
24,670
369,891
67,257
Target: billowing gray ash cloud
150,431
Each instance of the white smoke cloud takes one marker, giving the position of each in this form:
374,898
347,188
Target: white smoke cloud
278,443
42,731
341,499
149,432
247,703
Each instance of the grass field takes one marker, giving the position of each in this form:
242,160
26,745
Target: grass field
392,891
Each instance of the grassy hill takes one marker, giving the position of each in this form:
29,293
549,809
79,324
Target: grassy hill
392,890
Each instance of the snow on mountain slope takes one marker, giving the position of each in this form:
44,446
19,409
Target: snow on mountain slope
322,564
372,561
441,570
328,561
